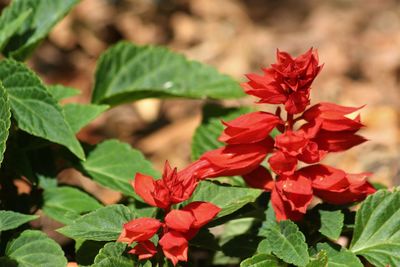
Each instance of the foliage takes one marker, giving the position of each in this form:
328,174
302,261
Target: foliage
262,226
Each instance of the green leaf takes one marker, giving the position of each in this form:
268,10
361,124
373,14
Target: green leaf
206,135
288,243
331,223
35,248
5,121
228,198
339,257
79,115
60,92
377,229
65,203
33,107
319,260
111,256
262,260
104,224
114,164
35,27
10,21
10,219
128,72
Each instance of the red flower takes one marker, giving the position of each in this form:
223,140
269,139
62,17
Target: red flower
333,117
291,197
249,128
291,142
337,187
286,82
139,230
145,250
162,193
174,246
260,178
232,159
282,164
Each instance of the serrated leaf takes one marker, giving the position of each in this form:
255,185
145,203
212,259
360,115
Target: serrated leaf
79,115
64,204
288,243
114,164
228,198
377,229
104,224
60,92
339,257
33,107
11,219
35,248
129,72
5,116
319,260
331,223
35,27
262,260
206,135
111,256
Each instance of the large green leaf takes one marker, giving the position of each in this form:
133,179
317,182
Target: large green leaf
377,229
10,219
104,224
44,15
111,256
5,122
262,260
114,164
339,257
79,115
33,107
35,248
65,203
128,72
331,223
228,198
287,243
206,136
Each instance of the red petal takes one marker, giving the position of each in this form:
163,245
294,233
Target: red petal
249,128
139,230
260,178
235,159
337,141
145,250
144,186
203,212
174,246
179,220
282,164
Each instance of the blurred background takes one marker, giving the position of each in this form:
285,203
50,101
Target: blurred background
358,40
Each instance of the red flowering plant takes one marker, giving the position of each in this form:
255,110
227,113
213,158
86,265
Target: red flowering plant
306,135
178,225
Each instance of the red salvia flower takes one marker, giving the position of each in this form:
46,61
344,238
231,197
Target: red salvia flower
171,189
286,82
139,230
249,128
325,128
175,246
291,197
337,187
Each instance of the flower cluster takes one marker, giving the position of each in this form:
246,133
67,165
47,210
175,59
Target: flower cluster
305,135
178,225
